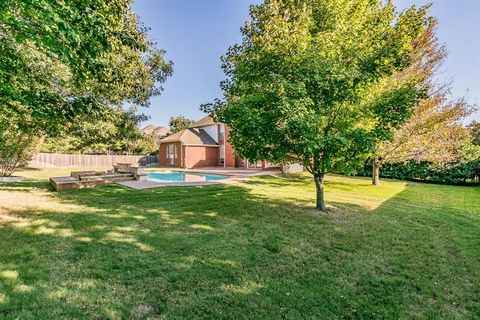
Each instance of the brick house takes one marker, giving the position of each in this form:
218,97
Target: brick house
203,144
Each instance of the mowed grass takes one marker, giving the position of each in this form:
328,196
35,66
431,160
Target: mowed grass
248,250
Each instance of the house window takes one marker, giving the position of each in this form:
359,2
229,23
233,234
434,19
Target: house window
171,154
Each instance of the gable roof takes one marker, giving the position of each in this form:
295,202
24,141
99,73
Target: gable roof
159,131
162,131
148,129
206,121
191,136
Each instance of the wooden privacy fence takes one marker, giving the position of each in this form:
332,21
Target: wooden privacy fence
52,160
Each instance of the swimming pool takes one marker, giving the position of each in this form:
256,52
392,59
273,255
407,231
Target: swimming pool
176,176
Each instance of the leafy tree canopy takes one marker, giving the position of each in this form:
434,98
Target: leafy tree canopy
475,131
116,133
298,85
433,132
179,123
61,59
16,148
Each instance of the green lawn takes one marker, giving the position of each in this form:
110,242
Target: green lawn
249,250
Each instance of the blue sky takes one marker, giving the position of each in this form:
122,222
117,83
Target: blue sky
196,33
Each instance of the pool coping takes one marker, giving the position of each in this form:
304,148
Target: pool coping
232,178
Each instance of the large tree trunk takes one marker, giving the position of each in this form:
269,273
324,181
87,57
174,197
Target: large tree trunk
319,183
376,172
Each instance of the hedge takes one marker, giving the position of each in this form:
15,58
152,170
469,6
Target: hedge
451,173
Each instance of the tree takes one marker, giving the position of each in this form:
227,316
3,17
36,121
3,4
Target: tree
433,132
118,132
60,59
147,144
179,123
16,148
474,127
63,60
297,85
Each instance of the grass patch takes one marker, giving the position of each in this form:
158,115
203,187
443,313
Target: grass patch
249,250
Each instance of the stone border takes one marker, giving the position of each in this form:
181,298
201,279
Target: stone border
11,179
148,184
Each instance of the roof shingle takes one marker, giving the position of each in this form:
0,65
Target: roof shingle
191,136
206,121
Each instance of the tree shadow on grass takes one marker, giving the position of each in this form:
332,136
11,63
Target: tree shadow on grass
226,251
90,243
306,180
24,186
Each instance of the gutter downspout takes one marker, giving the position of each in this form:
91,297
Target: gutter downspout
181,154
186,157
225,146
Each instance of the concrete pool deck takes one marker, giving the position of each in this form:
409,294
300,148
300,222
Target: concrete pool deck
234,175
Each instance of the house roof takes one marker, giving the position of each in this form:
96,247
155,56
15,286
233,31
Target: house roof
162,131
159,131
206,121
191,136
148,129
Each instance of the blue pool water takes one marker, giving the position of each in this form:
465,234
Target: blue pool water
183,177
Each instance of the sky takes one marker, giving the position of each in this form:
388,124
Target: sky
196,33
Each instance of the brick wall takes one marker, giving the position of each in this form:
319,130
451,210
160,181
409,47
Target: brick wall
229,152
201,156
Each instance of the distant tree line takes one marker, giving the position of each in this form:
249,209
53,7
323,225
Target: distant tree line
456,173
119,133
464,169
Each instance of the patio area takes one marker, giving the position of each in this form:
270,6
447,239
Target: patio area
233,175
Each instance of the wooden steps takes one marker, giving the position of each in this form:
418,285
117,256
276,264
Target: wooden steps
88,180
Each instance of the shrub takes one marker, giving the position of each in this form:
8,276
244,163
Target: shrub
450,173
16,148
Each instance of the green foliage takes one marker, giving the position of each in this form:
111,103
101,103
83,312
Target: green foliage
294,83
179,123
475,132
59,60
117,133
65,65
298,86
446,173
16,147
463,169
433,130
147,144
